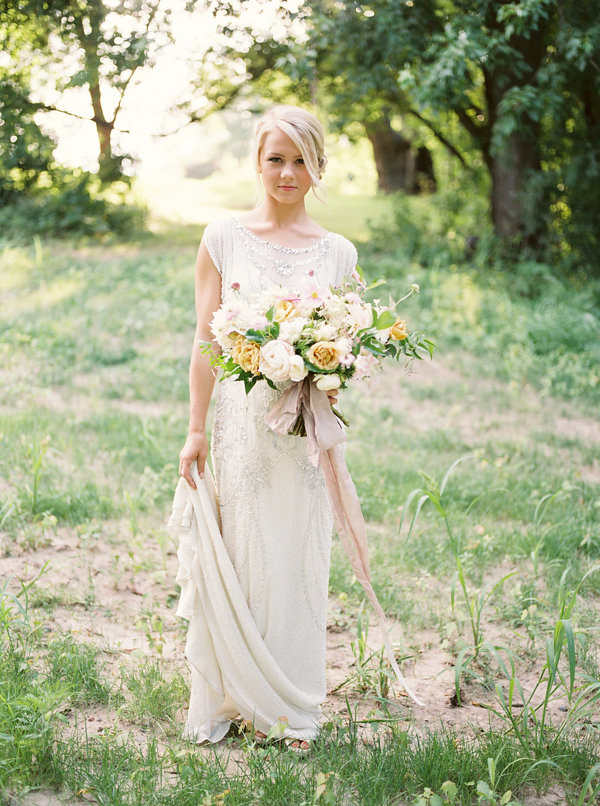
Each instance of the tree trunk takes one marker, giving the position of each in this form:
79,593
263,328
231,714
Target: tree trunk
104,131
109,167
510,168
511,160
399,166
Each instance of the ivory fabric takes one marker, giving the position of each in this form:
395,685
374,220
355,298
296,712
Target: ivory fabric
324,435
254,546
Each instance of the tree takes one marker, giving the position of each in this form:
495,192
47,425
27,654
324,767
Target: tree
106,44
520,78
25,152
250,62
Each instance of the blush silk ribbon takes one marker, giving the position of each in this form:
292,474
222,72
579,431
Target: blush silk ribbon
324,437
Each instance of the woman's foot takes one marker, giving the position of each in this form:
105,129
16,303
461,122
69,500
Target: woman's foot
300,746
246,727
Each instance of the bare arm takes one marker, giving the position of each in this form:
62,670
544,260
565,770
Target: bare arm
202,378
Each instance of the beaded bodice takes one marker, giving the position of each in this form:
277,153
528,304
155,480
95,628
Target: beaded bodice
244,258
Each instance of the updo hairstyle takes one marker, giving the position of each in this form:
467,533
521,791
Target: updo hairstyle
303,129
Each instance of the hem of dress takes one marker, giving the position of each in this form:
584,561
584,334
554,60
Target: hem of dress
180,526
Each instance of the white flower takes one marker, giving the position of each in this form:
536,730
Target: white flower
344,344
291,329
327,382
335,311
382,335
298,369
249,318
224,323
360,315
325,333
275,358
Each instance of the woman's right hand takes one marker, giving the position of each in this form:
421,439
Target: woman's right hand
194,450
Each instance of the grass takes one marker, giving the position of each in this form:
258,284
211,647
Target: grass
94,344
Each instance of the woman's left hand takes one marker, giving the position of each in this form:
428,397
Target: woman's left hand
332,395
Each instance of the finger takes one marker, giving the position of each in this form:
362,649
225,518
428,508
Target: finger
200,468
185,473
189,480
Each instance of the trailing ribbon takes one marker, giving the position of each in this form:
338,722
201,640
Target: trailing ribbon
324,437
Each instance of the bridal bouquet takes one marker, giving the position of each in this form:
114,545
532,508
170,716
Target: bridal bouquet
329,335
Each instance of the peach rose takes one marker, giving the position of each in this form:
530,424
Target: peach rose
284,310
398,330
324,354
246,354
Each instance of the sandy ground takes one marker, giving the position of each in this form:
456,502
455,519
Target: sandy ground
116,590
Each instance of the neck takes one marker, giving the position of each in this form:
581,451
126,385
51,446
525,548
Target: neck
281,216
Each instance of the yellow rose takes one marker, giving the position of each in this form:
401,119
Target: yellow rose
398,330
246,354
284,309
324,354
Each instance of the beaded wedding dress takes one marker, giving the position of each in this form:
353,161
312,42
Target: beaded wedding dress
254,544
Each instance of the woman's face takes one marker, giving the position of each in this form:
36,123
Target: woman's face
284,174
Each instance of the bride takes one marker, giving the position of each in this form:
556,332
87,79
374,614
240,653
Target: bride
255,542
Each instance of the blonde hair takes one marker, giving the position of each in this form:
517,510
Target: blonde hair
303,129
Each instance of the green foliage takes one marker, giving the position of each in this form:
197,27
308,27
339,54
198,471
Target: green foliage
99,45
75,665
28,703
25,152
95,344
154,697
508,90
37,196
528,324
74,203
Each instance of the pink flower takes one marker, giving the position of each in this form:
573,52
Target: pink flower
365,365
314,295
235,286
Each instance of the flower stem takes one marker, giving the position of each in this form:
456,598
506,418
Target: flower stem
340,416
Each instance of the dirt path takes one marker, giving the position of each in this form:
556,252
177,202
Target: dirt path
119,593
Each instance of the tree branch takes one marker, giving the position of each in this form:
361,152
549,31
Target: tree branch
193,118
149,21
96,120
469,124
439,136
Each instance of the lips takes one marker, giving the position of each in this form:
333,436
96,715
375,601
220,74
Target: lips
288,187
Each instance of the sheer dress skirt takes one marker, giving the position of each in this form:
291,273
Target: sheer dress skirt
254,570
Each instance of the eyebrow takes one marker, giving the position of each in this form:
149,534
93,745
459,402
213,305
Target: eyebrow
277,154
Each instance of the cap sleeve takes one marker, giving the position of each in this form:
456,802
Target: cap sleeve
214,238
346,259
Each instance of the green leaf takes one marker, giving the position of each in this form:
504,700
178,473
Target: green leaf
384,320
450,790
257,336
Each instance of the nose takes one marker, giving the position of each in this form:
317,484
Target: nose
287,171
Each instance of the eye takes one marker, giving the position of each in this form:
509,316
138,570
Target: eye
274,159
300,161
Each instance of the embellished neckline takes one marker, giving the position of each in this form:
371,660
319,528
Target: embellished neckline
298,250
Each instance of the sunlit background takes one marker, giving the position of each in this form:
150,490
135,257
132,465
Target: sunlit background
188,172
